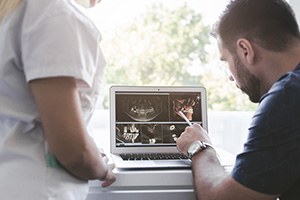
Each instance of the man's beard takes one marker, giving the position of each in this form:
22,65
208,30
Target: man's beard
249,84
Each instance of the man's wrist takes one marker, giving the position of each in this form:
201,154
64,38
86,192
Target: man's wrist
196,147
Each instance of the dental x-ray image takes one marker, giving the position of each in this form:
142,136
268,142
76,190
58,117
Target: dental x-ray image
153,118
152,133
161,133
186,104
148,133
172,132
143,108
128,133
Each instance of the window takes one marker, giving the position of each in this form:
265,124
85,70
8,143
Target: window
168,42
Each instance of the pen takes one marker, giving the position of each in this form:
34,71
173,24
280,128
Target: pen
184,117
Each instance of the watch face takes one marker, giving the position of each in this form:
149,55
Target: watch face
194,148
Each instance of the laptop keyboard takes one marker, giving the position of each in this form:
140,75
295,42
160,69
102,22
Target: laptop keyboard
154,156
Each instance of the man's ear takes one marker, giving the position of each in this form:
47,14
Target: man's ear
245,50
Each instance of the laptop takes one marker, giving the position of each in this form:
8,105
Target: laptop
144,124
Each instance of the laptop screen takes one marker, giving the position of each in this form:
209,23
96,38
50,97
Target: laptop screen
150,118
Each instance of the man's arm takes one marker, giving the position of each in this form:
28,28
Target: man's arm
59,107
211,182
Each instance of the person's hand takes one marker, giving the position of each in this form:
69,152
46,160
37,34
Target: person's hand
110,176
191,134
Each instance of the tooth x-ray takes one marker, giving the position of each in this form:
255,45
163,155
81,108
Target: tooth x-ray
153,118
142,108
186,104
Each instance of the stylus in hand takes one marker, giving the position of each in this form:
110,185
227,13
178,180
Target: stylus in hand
180,113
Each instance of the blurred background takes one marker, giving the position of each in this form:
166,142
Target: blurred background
168,42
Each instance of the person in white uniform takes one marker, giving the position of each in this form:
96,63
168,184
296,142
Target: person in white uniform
51,68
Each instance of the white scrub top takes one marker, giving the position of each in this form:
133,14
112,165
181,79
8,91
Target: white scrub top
42,38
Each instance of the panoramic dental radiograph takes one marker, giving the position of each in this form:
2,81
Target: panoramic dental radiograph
143,108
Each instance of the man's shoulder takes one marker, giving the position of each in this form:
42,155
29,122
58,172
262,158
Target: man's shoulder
286,88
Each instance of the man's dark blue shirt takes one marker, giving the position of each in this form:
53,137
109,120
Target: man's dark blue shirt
270,162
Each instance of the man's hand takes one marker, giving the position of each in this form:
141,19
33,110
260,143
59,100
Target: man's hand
191,134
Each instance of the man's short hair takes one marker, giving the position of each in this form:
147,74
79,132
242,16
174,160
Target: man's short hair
269,23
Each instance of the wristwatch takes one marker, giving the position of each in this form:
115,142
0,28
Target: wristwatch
196,147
